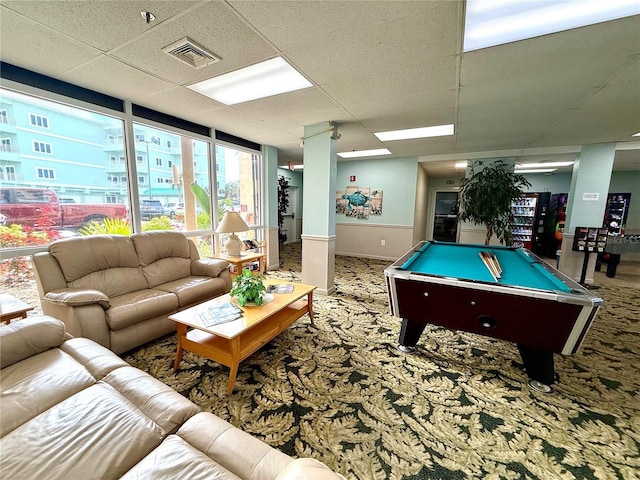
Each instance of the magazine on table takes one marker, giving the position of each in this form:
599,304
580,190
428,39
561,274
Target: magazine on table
280,288
223,313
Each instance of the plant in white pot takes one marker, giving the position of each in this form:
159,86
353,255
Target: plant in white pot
248,288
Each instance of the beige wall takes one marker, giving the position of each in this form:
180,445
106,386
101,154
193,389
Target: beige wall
360,240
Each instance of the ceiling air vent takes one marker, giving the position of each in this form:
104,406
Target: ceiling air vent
191,53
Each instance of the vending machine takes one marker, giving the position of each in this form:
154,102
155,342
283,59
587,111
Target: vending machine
616,213
529,214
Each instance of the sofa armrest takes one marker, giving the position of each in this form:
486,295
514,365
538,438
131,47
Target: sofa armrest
76,297
307,469
20,340
208,267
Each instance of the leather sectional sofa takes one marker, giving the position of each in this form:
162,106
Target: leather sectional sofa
119,290
71,409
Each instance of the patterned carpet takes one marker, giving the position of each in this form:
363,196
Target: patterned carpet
458,408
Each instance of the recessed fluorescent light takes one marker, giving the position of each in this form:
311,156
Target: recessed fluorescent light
538,170
543,165
261,80
298,167
422,132
636,134
460,165
494,22
364,153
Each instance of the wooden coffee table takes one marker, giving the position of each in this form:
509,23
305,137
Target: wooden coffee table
230,343
12,307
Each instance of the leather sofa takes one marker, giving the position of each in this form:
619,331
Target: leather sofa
119,290
71,409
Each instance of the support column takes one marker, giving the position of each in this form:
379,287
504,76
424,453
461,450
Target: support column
319,207
270,221
586,204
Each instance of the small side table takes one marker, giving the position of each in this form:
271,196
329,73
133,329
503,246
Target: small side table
12,307
243,259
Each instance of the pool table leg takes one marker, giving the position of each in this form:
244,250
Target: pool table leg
539,366
409,334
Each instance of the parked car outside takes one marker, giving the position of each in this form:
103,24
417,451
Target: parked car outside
150,209
172,209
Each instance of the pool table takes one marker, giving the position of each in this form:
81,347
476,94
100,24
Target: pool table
532,304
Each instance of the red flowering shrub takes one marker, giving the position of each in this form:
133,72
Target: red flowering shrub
18,269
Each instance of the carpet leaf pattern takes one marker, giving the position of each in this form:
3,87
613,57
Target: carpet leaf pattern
459,407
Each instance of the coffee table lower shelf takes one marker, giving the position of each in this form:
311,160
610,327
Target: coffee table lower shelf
231,351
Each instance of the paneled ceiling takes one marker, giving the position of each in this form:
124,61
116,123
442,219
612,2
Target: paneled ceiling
375,66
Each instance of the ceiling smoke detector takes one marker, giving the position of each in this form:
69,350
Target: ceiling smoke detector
191,53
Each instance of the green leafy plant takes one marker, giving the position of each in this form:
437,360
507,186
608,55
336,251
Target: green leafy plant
157,223
486,196
248,287
283,205
110,226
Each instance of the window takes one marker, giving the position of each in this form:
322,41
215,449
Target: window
139,137
46,173
111,139
139,159
123,160
4,117
168,143
8,173
113,160
169,163
142,179
5,144
158,162
42,147
38,120
111,198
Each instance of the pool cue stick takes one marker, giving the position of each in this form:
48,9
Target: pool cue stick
486,264
492,262
495,260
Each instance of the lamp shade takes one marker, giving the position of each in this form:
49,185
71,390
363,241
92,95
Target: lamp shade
232,222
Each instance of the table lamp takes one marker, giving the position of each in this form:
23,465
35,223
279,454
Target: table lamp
232,222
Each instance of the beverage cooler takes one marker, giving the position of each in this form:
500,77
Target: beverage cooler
529,215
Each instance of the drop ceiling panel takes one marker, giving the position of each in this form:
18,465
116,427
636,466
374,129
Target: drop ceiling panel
288,104
102,24
317,22
214,26
178,100
23,41
136,86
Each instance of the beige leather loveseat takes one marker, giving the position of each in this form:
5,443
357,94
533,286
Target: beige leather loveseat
73,410
119,290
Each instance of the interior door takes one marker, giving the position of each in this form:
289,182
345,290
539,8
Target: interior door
289,223
445,221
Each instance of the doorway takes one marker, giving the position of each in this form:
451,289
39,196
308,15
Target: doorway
289,217
445,219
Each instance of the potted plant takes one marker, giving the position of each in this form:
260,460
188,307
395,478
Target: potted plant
486,196
248,288
283,205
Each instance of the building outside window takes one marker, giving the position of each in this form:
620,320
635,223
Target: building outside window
42,147
47,173
38,120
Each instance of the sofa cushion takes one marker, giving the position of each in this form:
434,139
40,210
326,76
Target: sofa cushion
191,290
20,340
135,307
307,469
250,458
37,383
159,402
96,433
98,360
107,263
164,256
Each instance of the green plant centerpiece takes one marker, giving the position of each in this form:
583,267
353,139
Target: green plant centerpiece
248,288
486,196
